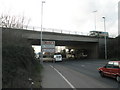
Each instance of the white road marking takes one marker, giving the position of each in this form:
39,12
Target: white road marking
83,65
64,78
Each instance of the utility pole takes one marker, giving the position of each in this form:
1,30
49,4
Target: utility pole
95,18
105,39
41,59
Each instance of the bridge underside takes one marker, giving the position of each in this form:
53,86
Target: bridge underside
91,47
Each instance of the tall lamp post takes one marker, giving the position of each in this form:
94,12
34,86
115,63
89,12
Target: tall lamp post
105,39
41,59
95,18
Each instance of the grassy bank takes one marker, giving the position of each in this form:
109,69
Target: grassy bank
19,63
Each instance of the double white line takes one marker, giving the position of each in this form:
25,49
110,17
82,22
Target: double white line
63,77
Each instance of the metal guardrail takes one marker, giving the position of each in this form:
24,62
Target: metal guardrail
35,28
61,31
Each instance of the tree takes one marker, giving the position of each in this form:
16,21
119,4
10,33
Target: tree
8,21
63,52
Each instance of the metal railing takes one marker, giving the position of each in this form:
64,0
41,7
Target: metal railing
35,28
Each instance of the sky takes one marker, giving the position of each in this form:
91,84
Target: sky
68,15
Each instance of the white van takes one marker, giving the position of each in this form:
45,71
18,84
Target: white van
58,57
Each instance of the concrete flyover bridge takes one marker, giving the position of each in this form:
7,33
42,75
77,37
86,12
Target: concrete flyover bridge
91,44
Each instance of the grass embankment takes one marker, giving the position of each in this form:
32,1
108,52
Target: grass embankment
19,63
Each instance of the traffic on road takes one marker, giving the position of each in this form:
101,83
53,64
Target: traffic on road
76,74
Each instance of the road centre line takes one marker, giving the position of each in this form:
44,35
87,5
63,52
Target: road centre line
63,77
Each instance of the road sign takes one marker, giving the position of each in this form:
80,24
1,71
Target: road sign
48,50
48,46
49,42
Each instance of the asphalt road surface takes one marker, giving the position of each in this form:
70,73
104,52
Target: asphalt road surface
76,74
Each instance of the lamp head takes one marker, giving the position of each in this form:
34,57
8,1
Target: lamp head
95,11
43,1
103,17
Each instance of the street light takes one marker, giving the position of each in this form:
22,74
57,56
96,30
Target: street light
41,29
95,18
105,39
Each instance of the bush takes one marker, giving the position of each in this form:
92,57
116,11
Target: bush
19,62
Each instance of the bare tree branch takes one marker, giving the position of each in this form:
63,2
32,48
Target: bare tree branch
13,21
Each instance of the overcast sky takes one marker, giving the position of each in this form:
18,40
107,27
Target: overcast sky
72,15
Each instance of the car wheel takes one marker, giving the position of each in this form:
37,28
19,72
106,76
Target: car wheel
101,74
118,78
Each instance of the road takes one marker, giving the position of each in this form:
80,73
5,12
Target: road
76,74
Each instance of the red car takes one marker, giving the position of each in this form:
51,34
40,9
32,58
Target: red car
111,69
